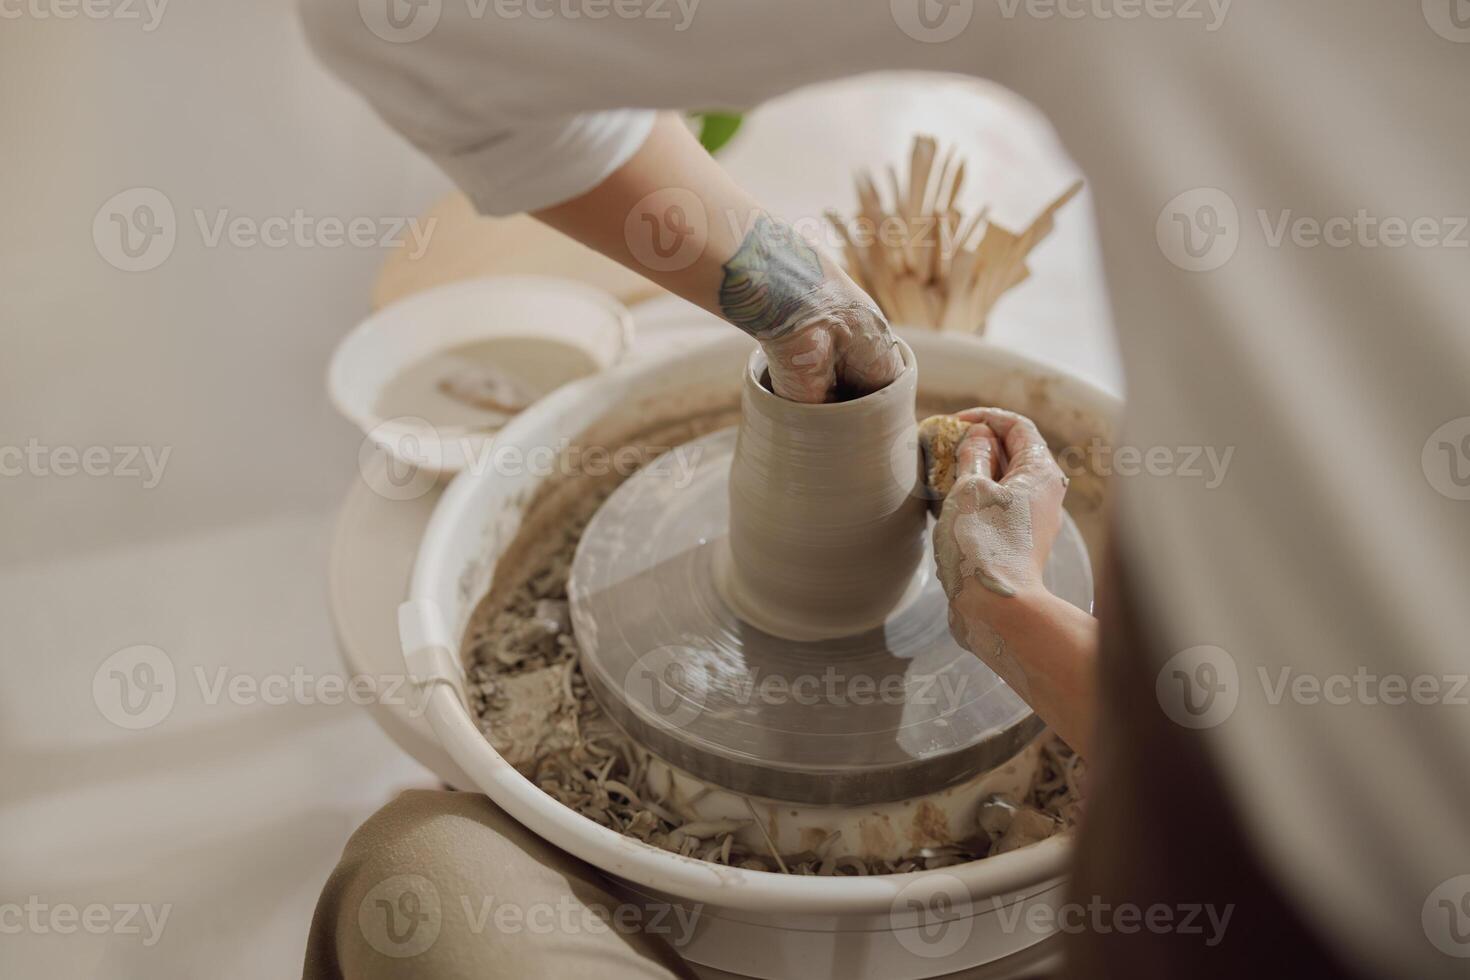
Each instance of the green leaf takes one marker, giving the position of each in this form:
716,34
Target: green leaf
716,128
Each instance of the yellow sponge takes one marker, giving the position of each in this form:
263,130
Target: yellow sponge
939,439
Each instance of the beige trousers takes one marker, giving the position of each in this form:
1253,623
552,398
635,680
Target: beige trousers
444,885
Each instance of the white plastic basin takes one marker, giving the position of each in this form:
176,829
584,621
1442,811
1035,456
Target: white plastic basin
925,924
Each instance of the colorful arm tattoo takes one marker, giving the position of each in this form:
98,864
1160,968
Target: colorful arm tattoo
768,279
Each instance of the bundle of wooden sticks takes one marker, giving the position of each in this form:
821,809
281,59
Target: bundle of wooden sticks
927,265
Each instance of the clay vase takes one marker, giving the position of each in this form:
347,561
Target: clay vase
826,523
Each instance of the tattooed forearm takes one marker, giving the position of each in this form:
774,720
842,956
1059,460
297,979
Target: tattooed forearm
768,279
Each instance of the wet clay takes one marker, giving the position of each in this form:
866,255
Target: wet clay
827,518
987,538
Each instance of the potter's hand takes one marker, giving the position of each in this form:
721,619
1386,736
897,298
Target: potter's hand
999,521
837,339
820,332
995,531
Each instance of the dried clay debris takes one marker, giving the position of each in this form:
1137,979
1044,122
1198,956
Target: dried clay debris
538,712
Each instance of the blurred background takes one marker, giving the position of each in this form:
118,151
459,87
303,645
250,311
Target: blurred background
232,813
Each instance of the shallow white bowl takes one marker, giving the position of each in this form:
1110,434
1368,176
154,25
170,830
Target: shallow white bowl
408,331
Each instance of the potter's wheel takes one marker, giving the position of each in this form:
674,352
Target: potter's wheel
888,714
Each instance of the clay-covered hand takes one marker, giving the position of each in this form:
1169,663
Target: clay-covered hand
999,521
995,531
820,332
840,342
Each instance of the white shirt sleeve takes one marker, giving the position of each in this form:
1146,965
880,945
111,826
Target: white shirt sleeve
525,106
463,112
508,172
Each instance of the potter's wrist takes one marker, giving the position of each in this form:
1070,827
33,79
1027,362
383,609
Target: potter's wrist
1046,650
832,304
1011,616
773,281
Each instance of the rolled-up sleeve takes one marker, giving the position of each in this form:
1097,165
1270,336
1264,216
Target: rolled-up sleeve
527,103
451,94
510,172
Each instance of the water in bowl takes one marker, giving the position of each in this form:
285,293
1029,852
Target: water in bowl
482,384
